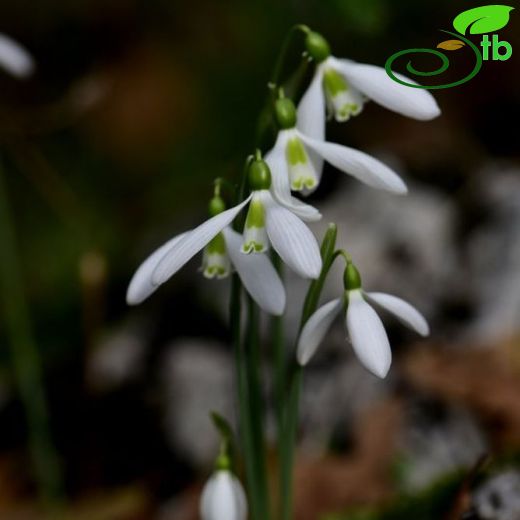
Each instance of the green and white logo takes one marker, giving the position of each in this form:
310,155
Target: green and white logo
480,20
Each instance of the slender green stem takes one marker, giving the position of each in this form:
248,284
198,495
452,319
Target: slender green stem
279,353
266,124
287,443
246,434
280,61
26,359
248,365
295,377
256,409
279,357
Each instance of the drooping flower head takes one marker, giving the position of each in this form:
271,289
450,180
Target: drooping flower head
296,162
223,497
221,253
366,331
344,86
267,223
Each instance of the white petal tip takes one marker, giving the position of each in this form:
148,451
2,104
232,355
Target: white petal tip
14,58
131,301
381,372
400,190
424,331
133,298
302,361
429,114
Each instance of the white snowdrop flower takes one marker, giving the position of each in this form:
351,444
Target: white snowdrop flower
343,86
296,162
221,252
223,498
14,58
270,223
367,333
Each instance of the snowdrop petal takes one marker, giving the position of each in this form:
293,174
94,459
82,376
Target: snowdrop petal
241,499
375,83
292,240
257,274
141,285
306,212
315,329
311,115
360,165
14,58
368,335
193,242
402,310
280,188
223,498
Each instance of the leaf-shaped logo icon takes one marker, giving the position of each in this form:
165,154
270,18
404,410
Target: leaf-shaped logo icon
481,20
451,45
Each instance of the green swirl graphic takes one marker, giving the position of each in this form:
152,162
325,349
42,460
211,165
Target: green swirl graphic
442,68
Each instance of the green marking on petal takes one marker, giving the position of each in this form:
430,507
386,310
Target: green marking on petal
295,152
213,271
334,83
255,215
217,245
348,110
253,247
303,182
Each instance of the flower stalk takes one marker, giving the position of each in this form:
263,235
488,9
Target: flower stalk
292,400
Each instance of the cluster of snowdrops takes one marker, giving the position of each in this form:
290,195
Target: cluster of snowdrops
276,219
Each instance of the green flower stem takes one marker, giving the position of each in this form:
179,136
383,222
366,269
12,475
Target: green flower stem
266,125
279,353
278,67
256,409
279,360
26,360
248,385
288,436
246,434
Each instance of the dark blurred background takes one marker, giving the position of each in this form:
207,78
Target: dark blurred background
110,148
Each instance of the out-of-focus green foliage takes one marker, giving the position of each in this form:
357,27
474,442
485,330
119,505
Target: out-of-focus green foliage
430,504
